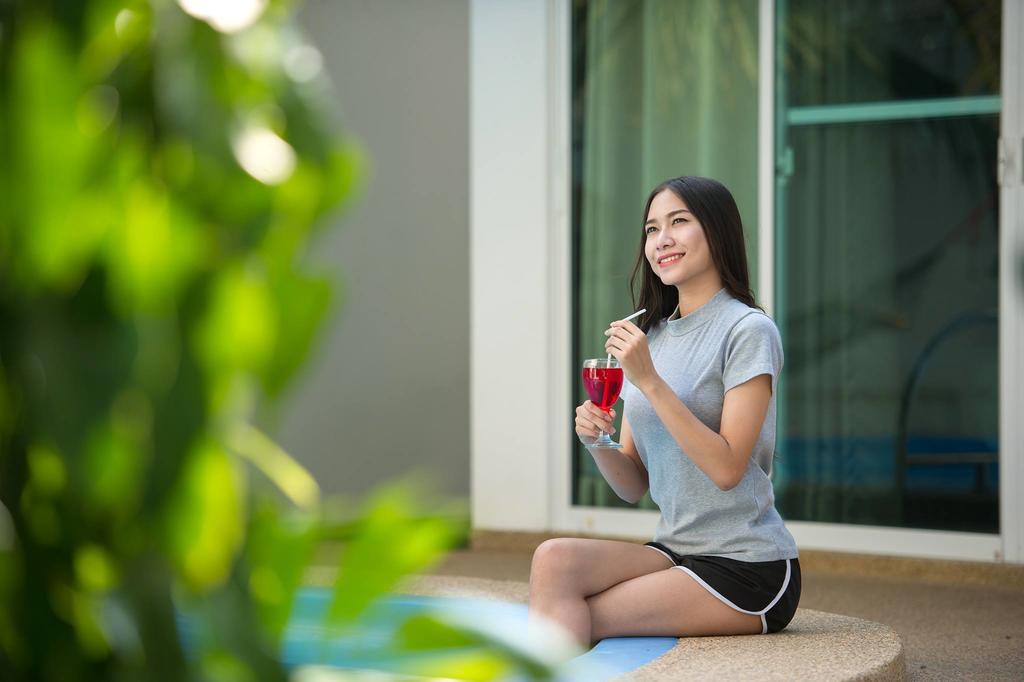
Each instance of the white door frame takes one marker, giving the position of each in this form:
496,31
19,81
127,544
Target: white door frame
520,161
1011,285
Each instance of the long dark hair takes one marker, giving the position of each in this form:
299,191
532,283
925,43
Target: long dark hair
715,209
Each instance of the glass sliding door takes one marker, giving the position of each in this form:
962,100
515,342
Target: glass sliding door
886,267
660,89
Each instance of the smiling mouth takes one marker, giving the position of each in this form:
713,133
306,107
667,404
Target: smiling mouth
670,260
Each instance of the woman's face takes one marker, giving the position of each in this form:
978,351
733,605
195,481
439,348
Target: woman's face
676,247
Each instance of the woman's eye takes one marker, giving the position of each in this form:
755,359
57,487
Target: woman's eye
649,228
679,219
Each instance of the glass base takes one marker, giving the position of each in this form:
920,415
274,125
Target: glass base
605,442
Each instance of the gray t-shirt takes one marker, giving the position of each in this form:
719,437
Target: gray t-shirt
701,356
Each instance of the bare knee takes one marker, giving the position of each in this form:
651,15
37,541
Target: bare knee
557,559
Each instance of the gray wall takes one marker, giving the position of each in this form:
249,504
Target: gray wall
387,388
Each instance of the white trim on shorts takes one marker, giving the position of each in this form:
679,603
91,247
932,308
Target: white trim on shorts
721,598
670,559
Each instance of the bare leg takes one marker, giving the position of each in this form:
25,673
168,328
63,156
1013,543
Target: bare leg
668,603
566,571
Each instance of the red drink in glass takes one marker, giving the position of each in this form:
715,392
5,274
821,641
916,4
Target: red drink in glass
603,380
603,385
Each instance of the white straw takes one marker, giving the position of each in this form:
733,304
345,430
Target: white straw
636,314
626,319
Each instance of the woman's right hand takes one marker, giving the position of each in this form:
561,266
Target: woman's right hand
590,420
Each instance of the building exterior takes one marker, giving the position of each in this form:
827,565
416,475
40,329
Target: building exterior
875,149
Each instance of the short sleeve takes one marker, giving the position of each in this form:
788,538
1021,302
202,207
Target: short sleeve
753,347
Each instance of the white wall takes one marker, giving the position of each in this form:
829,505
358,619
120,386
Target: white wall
518,285
387,390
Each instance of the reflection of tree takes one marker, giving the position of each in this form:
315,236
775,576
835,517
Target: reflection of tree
680,44
827,43
861,311
836,53
982,23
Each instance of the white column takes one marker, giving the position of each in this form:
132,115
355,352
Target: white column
519,287
1011,286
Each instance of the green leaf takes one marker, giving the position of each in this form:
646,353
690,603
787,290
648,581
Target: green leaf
51,157
347,164
278,466
47,473
425,632
153,249
435,633
118,453
301,303
204,519
95,569
8,404
279,547
112,468
85,610
477,665
225,667
239,327
392,543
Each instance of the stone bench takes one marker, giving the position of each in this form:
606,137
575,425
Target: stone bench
816,645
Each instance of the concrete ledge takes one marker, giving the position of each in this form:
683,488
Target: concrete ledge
816,645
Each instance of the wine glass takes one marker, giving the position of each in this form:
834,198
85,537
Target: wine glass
602,377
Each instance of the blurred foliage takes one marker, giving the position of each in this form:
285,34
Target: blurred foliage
165,165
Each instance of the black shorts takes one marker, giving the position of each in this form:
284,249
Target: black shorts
769,589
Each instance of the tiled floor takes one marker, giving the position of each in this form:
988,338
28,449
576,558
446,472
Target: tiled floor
950,631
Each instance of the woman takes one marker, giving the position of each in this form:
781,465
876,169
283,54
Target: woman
698,430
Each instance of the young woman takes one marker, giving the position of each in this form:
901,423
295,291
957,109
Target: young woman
698,431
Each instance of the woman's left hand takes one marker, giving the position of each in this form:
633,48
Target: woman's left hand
628,344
